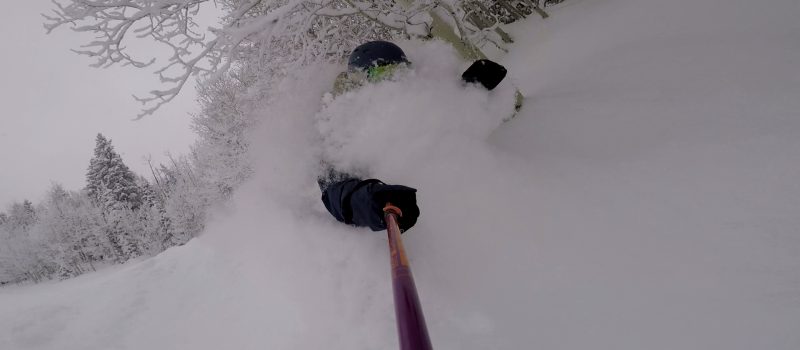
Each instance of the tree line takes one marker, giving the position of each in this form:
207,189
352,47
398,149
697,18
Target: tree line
120,215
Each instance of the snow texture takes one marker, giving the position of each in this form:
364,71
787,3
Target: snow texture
644,198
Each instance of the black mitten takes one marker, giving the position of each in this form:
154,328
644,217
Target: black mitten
486,72
361,202
369,199
402,197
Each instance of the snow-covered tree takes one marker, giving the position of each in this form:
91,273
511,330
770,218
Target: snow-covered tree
21,255
278,32
186,199
220,155
112,186
71,229
22,216
109,181
119,215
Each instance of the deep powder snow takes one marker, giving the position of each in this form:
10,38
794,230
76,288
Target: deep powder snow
646,197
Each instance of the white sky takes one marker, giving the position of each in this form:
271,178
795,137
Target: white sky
53,104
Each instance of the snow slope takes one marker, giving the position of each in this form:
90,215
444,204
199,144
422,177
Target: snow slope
645,198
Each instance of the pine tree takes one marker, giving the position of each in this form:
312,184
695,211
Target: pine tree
109,182
112,186
147,192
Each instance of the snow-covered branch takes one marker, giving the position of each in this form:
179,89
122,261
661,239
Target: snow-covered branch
114,22
274,33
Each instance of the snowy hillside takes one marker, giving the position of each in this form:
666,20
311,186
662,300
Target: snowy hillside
646,197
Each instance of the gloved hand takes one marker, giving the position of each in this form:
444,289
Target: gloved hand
369,199
486,72
402,197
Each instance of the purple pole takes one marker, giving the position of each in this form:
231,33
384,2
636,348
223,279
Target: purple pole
411,329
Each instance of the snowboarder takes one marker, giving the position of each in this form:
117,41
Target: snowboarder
360,202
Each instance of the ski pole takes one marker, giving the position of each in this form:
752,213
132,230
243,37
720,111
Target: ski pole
411,329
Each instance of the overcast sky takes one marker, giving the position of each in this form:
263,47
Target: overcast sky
54,104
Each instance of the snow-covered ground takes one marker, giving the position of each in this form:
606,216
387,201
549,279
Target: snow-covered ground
646,197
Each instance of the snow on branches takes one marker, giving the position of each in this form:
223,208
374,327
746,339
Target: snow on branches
285,28
170,22
278,34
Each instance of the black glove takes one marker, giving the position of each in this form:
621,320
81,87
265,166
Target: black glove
486,72
402,197
367,203
361,202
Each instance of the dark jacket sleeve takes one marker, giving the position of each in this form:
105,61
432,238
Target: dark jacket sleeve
349,201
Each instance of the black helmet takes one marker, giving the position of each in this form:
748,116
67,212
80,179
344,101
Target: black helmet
375,53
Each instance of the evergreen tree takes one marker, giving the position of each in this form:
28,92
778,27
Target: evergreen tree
109,182
112,186
148,193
